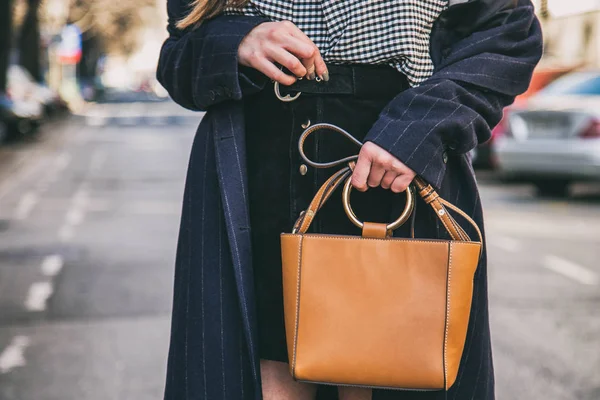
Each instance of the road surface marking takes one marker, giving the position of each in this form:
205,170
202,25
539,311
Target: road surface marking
570,270
96,116
26,204
81,197
75,213
52,265
13,356
506,243
74,216
38,295
62,161
66,233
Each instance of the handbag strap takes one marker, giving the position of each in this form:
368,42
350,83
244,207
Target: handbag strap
426,191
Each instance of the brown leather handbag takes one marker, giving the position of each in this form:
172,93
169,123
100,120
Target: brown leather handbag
373,310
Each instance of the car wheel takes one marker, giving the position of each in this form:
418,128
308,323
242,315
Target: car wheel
553,188
3,131
25,127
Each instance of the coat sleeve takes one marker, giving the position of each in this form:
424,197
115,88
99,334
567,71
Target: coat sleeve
478,73
199,67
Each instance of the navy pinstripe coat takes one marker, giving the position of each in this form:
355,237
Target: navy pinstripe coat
484,52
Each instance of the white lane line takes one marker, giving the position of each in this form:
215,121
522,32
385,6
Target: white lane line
571,270
74,216
81,197
52,265
25,205
96,116
75,213
62,161
66,233
505,243
13,355
38,295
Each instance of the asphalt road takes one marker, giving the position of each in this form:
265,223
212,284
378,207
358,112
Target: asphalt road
89,214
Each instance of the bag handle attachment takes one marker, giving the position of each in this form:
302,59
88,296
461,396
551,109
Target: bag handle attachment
425,190
408,209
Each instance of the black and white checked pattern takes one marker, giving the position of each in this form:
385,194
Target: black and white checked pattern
362,31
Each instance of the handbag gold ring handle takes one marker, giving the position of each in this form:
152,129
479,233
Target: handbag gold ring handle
408,209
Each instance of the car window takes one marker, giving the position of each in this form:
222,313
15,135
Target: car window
582,83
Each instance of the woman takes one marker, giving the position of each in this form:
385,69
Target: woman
420,82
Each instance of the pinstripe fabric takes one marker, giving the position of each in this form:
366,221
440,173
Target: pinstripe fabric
484,52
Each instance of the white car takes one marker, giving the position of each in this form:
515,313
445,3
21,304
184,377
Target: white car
32,95
556,139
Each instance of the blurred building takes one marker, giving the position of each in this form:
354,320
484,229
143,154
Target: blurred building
571,32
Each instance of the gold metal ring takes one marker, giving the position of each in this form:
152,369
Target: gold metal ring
408,209
287,98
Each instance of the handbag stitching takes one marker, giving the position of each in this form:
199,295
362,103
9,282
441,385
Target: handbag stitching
383,240
448,288
297,306
447,328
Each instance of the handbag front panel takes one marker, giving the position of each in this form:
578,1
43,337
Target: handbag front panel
366,311
464,258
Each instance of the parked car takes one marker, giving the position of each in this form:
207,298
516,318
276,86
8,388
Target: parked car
5,116
23,88
484,156
17,118
555,140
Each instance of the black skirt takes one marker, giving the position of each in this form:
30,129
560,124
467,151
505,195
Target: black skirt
280,186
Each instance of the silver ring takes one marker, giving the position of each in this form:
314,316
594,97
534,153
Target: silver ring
287,98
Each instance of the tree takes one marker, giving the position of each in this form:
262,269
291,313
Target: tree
5,39
29,41
544,9
115,23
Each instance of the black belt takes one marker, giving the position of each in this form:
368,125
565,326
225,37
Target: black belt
357,80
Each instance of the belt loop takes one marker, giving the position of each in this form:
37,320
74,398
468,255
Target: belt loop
354,90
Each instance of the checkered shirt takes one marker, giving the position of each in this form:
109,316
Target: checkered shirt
392,32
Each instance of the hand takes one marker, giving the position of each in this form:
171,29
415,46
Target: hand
284,43
376,167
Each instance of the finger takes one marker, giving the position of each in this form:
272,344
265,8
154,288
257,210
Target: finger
388,179
286,59
401,183
310,68
301,47
314,58
306,51
321,67
269,69
361,173
376,174
316,67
